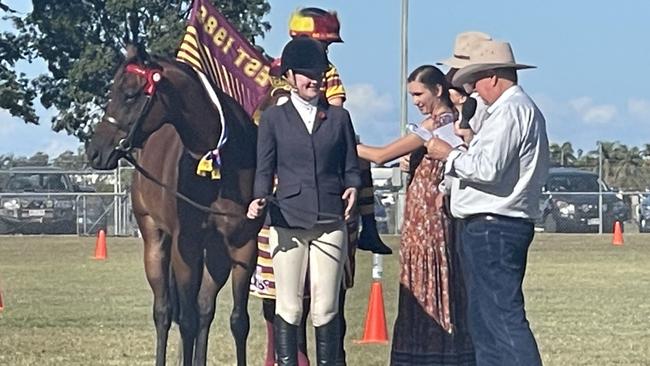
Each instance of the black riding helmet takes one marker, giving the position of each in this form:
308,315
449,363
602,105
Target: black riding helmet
304,56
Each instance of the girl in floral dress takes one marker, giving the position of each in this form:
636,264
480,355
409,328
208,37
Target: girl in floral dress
430,329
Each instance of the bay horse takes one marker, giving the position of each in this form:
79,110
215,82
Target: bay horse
160,106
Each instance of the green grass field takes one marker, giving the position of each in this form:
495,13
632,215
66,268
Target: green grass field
587,303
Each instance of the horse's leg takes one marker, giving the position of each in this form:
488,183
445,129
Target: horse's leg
156,266
215,274
243,263
187,263
268,310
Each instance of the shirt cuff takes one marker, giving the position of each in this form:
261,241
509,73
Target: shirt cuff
449,165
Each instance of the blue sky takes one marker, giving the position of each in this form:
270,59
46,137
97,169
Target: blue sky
592,57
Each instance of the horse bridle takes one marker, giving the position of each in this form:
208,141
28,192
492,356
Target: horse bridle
152,76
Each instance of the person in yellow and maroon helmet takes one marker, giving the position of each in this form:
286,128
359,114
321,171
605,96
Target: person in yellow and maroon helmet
324,26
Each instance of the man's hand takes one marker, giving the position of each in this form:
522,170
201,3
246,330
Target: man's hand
256,208
438,149
350,197
465,133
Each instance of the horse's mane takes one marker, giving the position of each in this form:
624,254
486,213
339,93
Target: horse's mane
187,69
156,60
243,119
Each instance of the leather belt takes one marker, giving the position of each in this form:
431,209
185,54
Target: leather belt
495,217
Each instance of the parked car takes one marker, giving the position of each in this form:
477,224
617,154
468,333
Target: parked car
644,214
47,211
570,202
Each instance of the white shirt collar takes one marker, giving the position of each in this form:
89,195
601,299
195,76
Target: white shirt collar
298,102
306,110
503,97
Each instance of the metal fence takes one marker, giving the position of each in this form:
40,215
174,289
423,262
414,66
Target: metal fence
73,207
564,210
389,199
84,212
65,213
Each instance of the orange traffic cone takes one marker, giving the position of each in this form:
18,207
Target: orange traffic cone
375,330
100,245
618,234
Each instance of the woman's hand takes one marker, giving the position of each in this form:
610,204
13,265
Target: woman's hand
350,197
256,208
405,163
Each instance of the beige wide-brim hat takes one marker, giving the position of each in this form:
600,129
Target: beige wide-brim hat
487,55
464,43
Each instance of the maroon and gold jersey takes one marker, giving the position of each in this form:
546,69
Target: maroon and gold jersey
332,85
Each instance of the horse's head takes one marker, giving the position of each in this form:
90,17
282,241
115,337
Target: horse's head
131,114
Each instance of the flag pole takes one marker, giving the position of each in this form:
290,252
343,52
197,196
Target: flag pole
403,66
401,196
403,96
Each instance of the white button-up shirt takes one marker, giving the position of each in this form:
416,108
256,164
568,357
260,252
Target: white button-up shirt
507,162
306,110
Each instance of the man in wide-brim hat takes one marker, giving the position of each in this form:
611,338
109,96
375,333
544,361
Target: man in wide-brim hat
464,44
501,174
486,59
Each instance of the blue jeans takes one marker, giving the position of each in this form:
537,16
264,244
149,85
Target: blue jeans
493,252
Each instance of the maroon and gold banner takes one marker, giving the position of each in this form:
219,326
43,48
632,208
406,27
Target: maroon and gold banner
214,47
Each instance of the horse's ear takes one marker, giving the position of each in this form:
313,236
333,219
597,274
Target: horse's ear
131,51
136,52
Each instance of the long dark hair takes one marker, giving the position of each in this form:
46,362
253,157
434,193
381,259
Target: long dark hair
431,77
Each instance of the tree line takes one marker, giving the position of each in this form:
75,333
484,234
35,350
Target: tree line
624,167
82,43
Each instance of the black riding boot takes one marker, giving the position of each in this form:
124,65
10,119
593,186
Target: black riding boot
286,344
340,358
327,343
369,238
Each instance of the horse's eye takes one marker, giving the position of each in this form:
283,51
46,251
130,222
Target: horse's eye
130,96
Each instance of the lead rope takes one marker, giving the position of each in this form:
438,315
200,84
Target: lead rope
270,199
